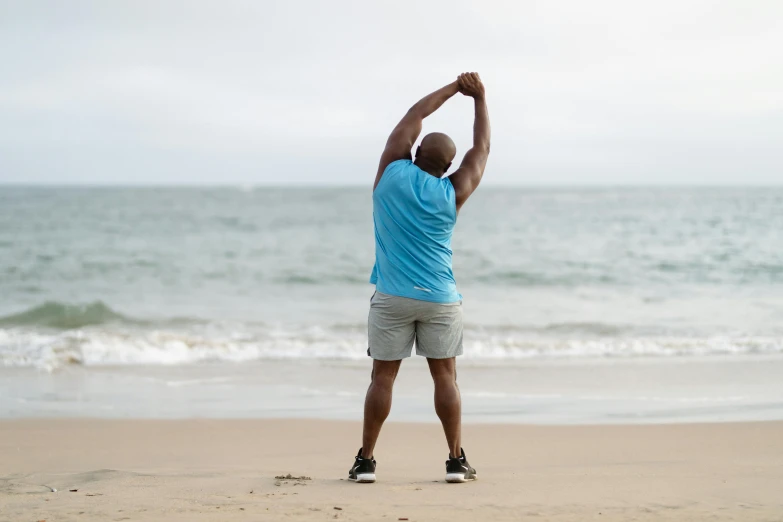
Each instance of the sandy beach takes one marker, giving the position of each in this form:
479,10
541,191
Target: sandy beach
226,469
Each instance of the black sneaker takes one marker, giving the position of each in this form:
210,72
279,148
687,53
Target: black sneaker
458,469
363,470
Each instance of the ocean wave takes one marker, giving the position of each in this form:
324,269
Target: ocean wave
100,347
53,314
71,316
133,346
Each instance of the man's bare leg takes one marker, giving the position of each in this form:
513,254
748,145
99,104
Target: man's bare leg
448,404
378,403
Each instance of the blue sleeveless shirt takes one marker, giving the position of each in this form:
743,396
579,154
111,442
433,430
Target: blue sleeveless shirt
414,215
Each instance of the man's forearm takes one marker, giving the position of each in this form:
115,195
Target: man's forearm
481,129
433,101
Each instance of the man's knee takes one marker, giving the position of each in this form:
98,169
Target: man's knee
443,370
385,372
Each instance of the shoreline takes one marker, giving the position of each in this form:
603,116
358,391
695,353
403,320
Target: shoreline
195,469
549,392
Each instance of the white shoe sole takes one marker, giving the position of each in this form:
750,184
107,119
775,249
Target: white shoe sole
454,478
364,478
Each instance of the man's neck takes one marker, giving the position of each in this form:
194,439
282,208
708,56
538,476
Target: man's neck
429,169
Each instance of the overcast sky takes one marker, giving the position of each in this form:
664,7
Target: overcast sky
304,92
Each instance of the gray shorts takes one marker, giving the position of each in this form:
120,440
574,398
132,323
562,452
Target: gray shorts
395,322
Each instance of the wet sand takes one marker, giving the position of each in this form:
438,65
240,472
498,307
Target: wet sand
663,390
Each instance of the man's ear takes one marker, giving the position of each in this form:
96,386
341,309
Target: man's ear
418,150
447,167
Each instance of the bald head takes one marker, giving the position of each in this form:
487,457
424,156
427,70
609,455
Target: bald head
436,153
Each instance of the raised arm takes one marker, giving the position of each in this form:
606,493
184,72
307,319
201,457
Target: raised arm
404,135
468,176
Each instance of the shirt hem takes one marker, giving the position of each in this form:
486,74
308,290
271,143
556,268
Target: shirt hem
419,297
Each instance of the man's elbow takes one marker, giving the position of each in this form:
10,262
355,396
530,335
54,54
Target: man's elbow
415,112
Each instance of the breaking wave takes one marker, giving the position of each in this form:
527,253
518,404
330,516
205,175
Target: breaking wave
104,346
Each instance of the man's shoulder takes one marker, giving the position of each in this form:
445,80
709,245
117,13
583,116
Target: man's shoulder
399,164
394,169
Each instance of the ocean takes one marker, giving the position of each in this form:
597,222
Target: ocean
218,287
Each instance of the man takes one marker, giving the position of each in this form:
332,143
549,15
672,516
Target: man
414,210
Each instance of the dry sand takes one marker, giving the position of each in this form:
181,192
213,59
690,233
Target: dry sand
225,470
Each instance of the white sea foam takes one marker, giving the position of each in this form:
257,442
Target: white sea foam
97,347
